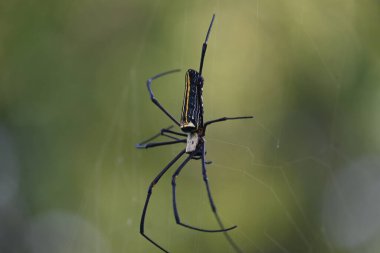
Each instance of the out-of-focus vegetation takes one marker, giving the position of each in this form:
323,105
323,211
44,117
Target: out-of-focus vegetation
303,176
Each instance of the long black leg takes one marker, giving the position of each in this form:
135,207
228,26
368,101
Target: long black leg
169,136
199,158
164,132
156,144
204,46
176,215
224,119
170,133
156,135
213,207
154,100
152,184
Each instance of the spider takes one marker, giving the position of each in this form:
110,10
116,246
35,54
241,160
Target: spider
193,134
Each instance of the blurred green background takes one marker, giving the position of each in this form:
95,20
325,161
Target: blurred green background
303,176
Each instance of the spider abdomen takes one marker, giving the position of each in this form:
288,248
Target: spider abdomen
192,108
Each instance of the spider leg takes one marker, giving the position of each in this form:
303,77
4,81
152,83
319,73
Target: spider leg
152,184
164,132
156,135
224,119
213,207
176,215
156,144
204,46
152,97
169,133
199,158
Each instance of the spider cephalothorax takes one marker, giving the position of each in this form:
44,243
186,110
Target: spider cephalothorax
193,134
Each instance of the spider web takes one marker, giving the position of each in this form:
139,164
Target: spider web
278,177
302,176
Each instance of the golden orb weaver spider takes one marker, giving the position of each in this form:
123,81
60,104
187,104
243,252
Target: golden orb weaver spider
194,129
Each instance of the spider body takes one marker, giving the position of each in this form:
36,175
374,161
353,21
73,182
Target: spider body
193,130
192,108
